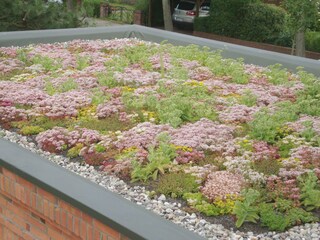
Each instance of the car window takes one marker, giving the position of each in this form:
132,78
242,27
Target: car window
186,6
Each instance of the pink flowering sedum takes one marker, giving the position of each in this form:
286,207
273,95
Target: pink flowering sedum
221,184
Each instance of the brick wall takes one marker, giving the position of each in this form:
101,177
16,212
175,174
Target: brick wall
29,212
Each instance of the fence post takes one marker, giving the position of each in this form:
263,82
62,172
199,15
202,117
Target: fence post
104,10
138,17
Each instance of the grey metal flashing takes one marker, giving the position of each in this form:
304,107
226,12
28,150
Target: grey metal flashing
111,209
250,55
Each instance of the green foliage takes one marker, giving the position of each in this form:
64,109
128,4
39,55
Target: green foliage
140,54
279,221
31,130
246,210
276,74
105,125
159,160
259,21
49,64
42,122
176,184
310,191
308,100
74,151
34,14
228,67
99,97
92,7
107,80
67,86
313,41
273,220
267,166
265,125
49,88
200,203
201,24
301,14
180,103
142,5
248,98
82,62
100,148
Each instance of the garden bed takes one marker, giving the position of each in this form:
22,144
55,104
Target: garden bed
227,138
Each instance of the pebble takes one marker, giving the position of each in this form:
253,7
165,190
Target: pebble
160,206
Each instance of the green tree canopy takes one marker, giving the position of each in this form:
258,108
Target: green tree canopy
34,14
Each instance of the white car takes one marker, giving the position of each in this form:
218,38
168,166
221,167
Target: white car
185,12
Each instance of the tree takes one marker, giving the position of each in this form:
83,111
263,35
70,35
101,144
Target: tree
34,14
167,15
301,15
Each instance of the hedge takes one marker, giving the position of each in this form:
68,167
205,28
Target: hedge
244,19
313,41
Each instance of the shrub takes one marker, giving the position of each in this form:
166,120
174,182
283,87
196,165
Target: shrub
201,24
313,41
259,21
92,7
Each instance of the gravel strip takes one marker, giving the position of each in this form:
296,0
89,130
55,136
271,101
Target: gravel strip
160,206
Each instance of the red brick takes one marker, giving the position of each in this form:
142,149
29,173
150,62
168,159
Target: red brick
76,226
15,209
70,222
87,218
89,232
83,229
33,201
46,211
1,182
104,228
35,221
16,219
13,228
27,197
57,215
19,192
51,211
9,174
26,184
39,234
47,195
4,200
65,206
63,218
97,235
39,204
55,234
8,186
